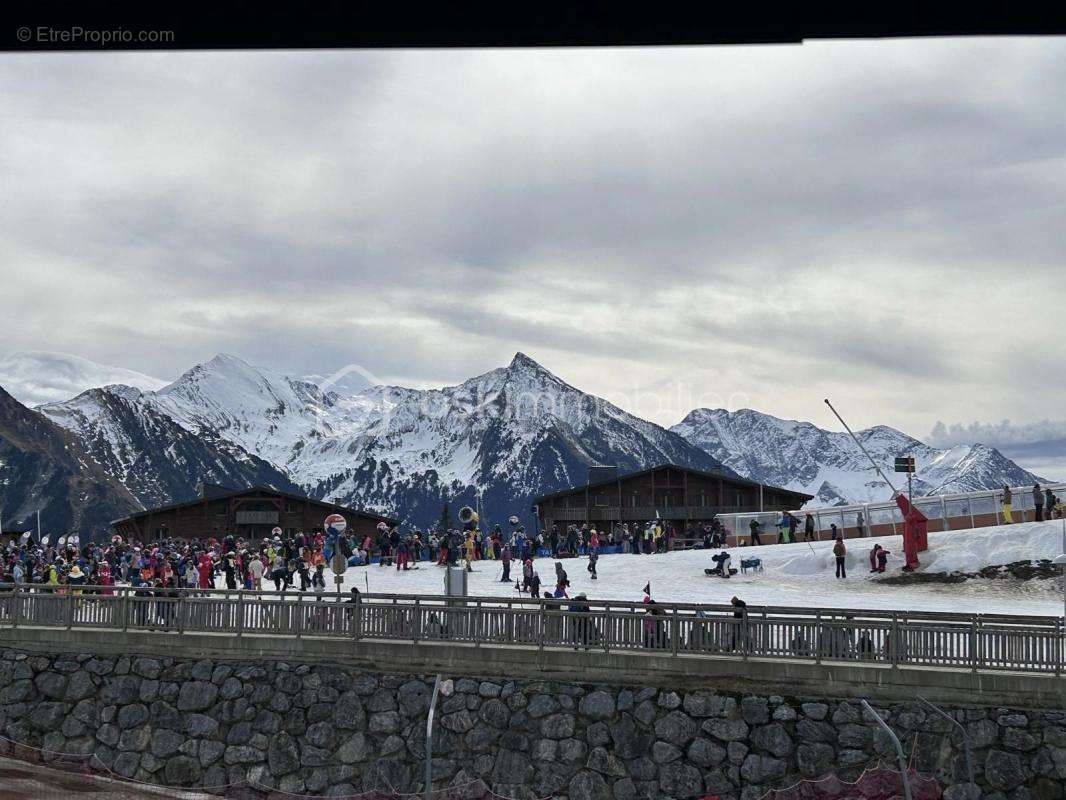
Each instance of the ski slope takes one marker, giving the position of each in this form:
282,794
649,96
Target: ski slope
797,575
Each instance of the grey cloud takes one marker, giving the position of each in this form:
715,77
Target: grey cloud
1006,432
877,210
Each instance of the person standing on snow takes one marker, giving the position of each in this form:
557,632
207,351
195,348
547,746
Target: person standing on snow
753,526
1038,502
841,552
1005,499
808,528
561,580
505,557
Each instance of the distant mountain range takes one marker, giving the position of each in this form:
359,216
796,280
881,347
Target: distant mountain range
498,439
830,466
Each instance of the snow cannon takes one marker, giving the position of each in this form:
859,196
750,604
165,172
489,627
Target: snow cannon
915,532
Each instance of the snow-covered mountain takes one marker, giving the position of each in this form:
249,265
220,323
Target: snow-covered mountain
502,438
44,468
35,377
510,435
829,465
148,452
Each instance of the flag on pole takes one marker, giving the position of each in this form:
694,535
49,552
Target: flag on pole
647,588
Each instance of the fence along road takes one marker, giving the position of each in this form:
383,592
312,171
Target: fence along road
912,638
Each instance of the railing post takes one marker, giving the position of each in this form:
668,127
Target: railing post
240,612
818,637
298,623
70,609
676,627
125,610
607,628
895,640
358,622
180,611
973,644
477,624
542,625
416,622
15,607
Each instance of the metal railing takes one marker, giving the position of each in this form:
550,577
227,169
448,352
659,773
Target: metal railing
945,512
923,639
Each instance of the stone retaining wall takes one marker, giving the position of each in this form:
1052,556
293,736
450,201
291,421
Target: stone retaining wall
338,730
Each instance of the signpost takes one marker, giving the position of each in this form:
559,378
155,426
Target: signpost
906,464
339,565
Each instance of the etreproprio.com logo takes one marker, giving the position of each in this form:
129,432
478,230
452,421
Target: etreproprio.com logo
103,37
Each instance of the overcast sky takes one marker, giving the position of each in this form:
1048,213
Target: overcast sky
876,222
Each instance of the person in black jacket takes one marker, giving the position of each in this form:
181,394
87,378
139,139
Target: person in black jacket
740,627
753,526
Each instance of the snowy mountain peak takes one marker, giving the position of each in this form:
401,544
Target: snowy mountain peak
522,362
829,465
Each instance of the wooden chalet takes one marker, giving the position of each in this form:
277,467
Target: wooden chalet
250,513
678,495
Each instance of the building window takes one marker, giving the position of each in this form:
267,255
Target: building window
601,500
291,507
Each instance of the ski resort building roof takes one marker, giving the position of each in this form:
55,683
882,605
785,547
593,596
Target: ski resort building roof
668,491
252,512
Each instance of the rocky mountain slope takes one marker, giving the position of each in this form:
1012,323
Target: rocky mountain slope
498,439
155,458
829,465
43,467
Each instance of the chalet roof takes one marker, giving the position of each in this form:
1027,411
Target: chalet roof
738,481
228,493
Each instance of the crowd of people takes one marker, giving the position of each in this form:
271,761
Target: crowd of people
230,563
300,561
1046,504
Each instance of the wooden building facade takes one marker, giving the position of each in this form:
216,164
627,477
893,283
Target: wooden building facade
249,513
679,495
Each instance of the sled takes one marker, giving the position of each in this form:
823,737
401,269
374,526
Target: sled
716,573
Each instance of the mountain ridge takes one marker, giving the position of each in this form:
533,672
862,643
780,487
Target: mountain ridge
829,465
497,440
44,468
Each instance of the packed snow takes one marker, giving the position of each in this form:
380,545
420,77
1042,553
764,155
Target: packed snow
794,575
